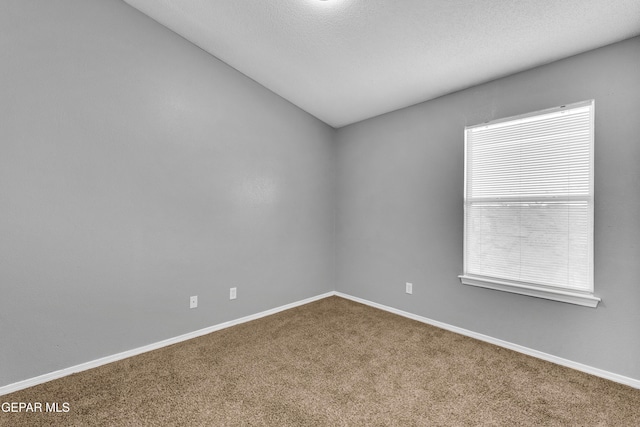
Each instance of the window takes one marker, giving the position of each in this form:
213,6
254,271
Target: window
528,204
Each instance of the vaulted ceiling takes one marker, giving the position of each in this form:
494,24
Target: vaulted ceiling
348,60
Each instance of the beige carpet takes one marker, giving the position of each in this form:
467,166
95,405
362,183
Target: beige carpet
331,363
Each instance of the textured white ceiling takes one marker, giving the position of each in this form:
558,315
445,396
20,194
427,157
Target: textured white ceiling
348,60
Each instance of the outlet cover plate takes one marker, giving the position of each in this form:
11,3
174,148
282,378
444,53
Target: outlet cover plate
193,301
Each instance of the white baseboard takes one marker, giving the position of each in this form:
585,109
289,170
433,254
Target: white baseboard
136,351
632,382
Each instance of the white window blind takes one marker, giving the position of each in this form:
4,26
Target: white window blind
529,204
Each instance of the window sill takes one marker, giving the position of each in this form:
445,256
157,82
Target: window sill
568,296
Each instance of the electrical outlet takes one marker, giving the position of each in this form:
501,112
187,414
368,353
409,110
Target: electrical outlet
409,288
193,301
232,293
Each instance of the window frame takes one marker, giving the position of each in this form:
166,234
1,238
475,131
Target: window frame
557,293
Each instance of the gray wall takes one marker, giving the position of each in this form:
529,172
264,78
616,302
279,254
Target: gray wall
400,212
137,170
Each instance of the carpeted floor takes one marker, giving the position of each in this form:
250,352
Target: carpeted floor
333,362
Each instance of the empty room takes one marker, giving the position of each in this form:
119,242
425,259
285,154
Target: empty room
319,212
